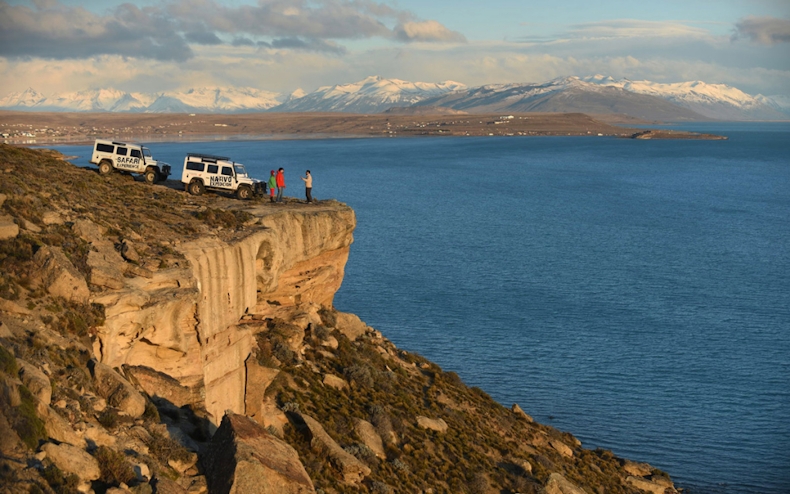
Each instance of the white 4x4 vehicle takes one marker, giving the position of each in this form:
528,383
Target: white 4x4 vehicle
129,158
204,171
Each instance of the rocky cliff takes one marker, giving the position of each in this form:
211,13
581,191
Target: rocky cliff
157,342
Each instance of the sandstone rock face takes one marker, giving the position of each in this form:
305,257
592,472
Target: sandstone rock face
183,322
73,460
36,381
245,459
117,391
558,484
59,277
353,470
438,425
258,379
369,437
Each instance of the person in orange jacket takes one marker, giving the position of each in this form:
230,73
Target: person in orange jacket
280,184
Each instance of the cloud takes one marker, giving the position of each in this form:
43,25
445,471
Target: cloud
426,31
632,28
169,30
763,30
316,45
52,31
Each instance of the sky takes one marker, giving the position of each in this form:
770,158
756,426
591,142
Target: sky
153,46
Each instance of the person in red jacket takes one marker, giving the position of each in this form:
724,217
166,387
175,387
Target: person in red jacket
280,184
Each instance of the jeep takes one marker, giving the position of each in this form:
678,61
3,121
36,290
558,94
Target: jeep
218,173
128,157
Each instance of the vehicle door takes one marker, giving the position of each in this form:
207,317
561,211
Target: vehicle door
220,178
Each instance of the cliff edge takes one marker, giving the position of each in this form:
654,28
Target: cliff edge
152,341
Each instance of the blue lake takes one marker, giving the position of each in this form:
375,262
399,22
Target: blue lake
633,293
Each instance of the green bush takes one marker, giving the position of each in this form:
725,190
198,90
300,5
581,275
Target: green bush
114,467
60,482
8,362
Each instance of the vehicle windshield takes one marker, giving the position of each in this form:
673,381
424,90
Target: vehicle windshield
146,152
240,170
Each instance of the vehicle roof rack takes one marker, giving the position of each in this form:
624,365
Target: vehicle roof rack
208,156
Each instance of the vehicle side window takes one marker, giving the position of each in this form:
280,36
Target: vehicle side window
135,153
228,171
121,151
105,148
194,166
213,168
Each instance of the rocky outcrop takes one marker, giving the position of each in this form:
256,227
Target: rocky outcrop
438,425
73,460
245,459
59,277
352,470
118,392
183,322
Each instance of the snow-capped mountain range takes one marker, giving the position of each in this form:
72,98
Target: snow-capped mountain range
200,100
718,101
370,95
594,94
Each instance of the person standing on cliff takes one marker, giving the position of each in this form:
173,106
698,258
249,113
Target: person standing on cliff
272,184
280,180
308,187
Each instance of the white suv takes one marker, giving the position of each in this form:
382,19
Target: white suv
129,158
205,171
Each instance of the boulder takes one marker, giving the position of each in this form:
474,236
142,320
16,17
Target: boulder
333,381
104,273
350,325
8,229
369,437
3,198
160,385
637,469
558,484
438,425
52,218
36,381
128,252
71,459
243,458
353,470
118,392
59,277
561,447
648,486
521,413
29,226
166,486
13,308
58,428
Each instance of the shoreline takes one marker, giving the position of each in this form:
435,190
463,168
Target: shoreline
33,129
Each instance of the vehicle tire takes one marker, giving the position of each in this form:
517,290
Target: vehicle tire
196,187
105,167
244,192
151,176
